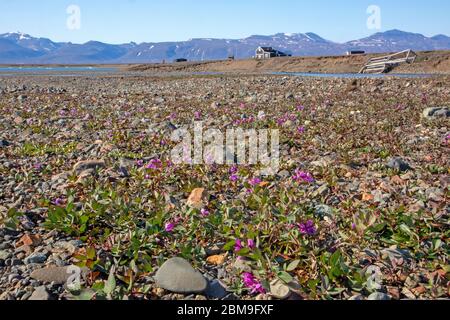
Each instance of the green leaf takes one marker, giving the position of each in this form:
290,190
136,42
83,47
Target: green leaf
405,229
312,285
243,252
293,265
334,259
90,253
286,277
437,244
110,284
229,245
378,227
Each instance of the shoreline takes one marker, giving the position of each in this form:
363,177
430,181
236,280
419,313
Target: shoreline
428,62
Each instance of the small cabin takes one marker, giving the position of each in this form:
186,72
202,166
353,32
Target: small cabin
180,60
268,52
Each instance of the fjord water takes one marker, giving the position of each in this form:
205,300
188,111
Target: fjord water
53,70
89,70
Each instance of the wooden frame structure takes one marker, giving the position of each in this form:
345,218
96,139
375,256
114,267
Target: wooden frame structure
387,63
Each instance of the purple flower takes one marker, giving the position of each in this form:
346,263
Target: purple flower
204,212
300,108
447,138
251,243
308,228
58,202
301,130
251,283
154,164
234,169
37,166
238,245
140,163
169,227
301,176
281,121
234,177
197,115
254,182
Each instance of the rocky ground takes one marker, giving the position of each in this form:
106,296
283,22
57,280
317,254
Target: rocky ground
358,210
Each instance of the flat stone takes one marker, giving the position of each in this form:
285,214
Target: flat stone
279,290
284,174
216,290
379,296
398,164
436,112
58,275
323,211
88,165
177,275
357,297
5,254
197,198
394,253
216,259
36,258
40,294
29,240
215,249
4,143
242,266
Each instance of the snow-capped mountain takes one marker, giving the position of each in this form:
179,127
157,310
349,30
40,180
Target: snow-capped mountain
396,40
25,49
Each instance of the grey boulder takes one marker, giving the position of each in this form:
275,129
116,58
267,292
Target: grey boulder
177,275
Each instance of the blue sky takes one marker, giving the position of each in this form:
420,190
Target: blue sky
120,21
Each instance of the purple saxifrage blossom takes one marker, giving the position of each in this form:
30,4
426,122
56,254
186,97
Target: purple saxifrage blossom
238,245
302,176
308,228
254,182
169,227
204,212
251,283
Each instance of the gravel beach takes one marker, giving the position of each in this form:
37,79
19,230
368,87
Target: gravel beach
357,210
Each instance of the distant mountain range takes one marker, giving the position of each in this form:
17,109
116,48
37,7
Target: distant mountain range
20,48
